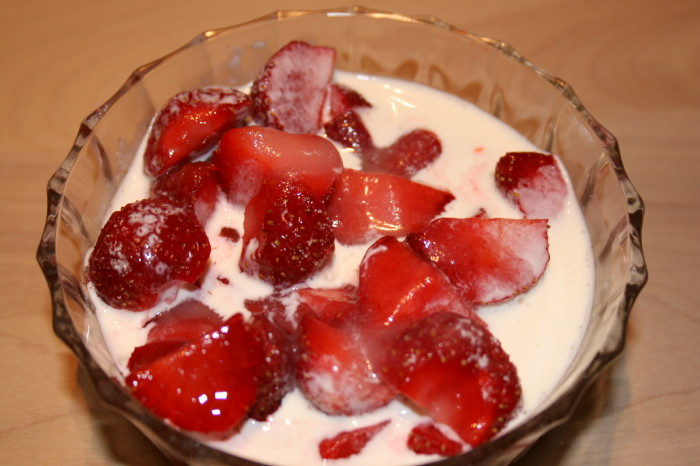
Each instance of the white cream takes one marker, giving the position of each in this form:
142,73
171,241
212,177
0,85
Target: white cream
540,329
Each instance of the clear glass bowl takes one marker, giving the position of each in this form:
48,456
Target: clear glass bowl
485,72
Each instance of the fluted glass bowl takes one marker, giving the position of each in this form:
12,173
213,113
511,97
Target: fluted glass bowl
486,72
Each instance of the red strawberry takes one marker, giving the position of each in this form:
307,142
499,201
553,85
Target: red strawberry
427,439
274,309
333,373
290,91
348,443
388,299
276,373
348,130
249,156
533,182
287,235
344,99
406,156
207,385
330,305
191,123
147,354
185,322
230,234
487,260
193,184
365,206
452,367
144,251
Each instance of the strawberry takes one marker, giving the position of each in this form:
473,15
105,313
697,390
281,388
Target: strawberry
428,439
276,373
230,234
487,260
205,386
185,322
246,157
287,235
344,99
533,182
389,300
365,206
333,373
290,91
453,368
191,124
273,308
193,184
406,156
350,442
330,305
348,130
147,354
146,251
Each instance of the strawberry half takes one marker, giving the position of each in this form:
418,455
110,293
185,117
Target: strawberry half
249,156
428,439
145,251
533,182
344,98
334,306
487,259
193,184
406,156
348,130
350,442
452,367
191,124
365,206
207,385
287,235
333,373
290,91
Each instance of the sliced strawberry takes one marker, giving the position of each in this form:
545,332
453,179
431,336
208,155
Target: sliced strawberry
191,124
290,91
273,308
230,234
406,156
185,322
330,305
333,373
249,156
193,184
350,442
533,182
145,251
287,235
452,367
428,439
276,373
205,386
348,130
388,298
365,206
343,99
487,260
147,354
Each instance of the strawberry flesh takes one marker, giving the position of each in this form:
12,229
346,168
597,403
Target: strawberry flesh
290,91
406,156
350,442
348,130
344,98
145,251
195,185
333,306
428,439
191,123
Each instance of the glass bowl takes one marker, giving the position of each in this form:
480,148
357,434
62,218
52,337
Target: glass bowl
486,72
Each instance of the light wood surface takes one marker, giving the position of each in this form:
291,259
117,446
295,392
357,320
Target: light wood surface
634,63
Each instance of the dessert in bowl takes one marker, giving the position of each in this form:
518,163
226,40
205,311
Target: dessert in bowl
486,74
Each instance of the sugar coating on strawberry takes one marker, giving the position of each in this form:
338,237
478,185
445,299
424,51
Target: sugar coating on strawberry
191,124
290,91
193,184
406,156
205,386
333,372
487,259
287,235
453,368
365,206
428,439
247,157
533,182
146,251
350,442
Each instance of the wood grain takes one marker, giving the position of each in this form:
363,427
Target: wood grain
635,65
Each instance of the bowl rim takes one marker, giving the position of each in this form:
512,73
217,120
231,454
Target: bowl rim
519,438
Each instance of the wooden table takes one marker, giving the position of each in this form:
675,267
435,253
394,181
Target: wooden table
634,63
